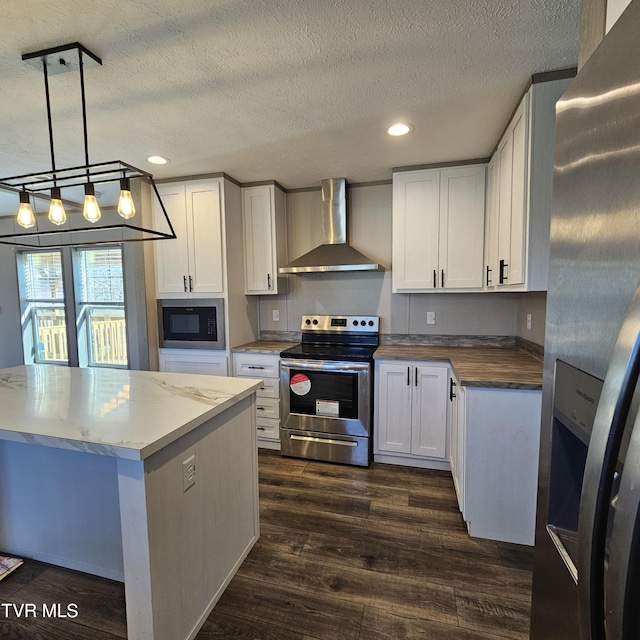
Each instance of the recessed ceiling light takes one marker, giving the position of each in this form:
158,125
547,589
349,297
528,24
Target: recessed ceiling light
157,160
400,129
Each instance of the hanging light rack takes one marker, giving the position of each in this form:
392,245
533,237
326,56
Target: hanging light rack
95,226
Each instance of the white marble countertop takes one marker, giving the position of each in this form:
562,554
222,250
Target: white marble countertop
113,412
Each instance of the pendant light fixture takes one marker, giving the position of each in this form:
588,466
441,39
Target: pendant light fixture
103,223
26,219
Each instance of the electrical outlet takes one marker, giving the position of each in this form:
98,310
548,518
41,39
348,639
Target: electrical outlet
188,472
276,315
528,321
431,317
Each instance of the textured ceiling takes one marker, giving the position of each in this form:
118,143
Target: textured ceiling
290,90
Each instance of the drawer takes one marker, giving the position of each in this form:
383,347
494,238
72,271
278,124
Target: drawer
268,428
268,408
270,388
256,365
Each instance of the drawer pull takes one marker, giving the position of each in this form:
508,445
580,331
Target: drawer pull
261,429
345,443
260,408
251,366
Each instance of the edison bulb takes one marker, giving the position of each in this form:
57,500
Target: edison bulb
126,208
25,217
57,214
91,210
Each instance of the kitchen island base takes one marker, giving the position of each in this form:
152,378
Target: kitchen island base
131,520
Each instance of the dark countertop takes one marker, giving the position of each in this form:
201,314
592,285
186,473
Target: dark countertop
273,347
492,367
475,366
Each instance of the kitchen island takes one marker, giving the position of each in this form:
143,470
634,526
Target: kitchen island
97,470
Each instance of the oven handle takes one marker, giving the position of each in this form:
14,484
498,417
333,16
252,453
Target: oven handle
325,365
346,443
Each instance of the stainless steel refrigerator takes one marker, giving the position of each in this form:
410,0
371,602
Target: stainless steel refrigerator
586,581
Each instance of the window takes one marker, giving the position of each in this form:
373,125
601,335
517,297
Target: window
100,306
99,335
44,316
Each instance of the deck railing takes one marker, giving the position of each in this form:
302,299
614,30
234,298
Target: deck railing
108,343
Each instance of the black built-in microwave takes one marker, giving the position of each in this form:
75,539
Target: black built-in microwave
191,324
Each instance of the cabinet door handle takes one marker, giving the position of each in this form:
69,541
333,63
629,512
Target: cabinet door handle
416,376
190,283
269,281
489,271
443,278
503,265
435,283
184,282
451,385
408,375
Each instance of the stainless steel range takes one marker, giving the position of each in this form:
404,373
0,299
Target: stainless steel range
326,390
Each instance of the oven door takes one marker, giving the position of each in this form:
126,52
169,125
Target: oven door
326,396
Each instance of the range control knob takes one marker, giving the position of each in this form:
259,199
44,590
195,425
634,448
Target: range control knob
371,323
315,321
355,323
307,321
362,323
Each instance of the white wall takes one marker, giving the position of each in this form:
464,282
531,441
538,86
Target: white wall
493,314
11,342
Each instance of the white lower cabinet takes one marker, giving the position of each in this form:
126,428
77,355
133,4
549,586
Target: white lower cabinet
212,363
496,465
456,437
411,413
247,364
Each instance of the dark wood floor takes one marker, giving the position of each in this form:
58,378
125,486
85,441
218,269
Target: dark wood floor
345,553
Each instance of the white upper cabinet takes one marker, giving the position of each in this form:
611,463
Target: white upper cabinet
264,229
438,229
191,265
519,189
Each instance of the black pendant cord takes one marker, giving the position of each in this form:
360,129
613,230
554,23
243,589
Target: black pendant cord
46,91
84,111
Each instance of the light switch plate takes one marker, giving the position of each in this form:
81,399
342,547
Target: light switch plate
431,317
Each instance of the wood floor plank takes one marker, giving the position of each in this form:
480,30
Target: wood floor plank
318,500
50,629
100,602
281,539
380,624
423,536
415,597
322,617
341,486
502,616
433,498
416,517
432,565
517,556
382,474
221,626
20,577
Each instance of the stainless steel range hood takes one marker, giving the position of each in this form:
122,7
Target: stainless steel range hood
334,254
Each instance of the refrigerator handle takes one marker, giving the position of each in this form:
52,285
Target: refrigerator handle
604,446
623,576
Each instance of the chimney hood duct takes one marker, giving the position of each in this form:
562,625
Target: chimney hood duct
334,254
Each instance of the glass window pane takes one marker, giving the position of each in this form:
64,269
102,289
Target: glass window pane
107,336
101,275
43,276
50,326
